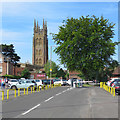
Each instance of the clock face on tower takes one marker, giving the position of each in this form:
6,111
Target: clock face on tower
40,45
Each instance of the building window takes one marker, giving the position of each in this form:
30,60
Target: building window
40,61
36,61
40,52
0,60
0,69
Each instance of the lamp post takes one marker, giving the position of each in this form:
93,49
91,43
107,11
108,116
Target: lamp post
51,62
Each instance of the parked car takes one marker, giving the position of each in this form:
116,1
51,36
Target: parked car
39,82
117,87
114,81
47,82
23,84
12,81
63,82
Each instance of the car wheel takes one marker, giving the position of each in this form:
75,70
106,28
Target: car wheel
14,87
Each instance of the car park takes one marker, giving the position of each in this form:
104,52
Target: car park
23,84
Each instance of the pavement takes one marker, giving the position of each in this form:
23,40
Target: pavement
63,102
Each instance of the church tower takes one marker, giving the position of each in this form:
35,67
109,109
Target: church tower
40,45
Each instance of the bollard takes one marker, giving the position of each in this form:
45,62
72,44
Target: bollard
109,89
27,90
7,94
2,95
19,92
39,88
24,91
114,92
15,93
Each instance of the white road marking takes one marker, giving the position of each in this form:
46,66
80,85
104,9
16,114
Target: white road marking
58,94
49,99
30,109
44,101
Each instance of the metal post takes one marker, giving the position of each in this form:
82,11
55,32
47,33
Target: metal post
50,63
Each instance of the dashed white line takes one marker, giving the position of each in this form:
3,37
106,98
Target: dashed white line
44,101
30,109
49,99
58,94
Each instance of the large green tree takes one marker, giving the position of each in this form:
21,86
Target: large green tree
61,73
86,45
9,51
54,67
25,73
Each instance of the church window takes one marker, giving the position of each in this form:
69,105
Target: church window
36,52
36,61
40,61
40,52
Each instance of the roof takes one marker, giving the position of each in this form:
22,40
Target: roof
117,70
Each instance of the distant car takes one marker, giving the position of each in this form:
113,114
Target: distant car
47,82
38,82
63,82
23,84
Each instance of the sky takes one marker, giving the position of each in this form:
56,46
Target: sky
18,21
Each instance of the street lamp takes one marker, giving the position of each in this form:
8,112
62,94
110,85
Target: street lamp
51,62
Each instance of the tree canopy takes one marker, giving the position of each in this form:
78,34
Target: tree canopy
9,51
86,45
54,68
25,73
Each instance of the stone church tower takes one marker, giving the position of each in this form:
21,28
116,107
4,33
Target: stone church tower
40,45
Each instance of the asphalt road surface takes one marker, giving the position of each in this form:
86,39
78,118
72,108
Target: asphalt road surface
63,102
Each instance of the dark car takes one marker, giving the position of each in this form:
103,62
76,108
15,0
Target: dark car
47,82
117,87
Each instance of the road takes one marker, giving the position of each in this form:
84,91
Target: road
63,102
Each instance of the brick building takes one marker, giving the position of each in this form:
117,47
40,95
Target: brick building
6,67
73,74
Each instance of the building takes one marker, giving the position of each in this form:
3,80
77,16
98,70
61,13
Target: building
40,45
74,74
116,72
6,67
